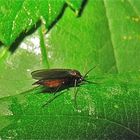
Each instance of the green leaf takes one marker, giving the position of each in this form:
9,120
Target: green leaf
106,35
19,16
104,111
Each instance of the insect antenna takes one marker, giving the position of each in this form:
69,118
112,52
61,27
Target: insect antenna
88,72
90,82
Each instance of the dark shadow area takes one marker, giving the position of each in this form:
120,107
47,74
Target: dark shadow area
17,42
84,3
1,44
58,17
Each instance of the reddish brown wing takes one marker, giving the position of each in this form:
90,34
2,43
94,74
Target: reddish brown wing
53,83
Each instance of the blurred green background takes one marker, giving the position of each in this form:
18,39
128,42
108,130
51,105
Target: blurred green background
77,34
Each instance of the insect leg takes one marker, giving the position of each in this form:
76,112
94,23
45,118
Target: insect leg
57,89
53,98
75,95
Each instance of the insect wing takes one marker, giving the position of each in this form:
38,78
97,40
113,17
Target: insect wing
51,74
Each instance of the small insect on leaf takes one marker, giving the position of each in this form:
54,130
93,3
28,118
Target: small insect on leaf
58,79
55,80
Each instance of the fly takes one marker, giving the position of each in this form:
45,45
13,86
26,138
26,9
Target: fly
55,80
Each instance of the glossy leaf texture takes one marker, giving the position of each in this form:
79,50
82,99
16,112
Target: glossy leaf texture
19,16
106,35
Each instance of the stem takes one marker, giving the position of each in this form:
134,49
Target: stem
43,49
